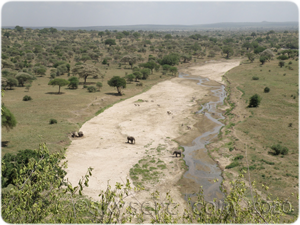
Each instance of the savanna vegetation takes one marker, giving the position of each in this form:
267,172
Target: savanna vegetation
92,70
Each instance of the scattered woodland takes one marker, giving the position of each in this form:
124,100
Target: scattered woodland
55,80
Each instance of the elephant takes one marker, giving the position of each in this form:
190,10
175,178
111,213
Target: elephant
74,134
177,153
131,139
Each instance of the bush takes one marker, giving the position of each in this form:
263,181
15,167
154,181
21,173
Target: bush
282,57
53,121
278,149
92,89
232,165
238,157
27,98
267,90
255,78
254,101
74,82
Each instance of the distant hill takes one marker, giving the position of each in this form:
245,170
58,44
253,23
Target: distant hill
215,26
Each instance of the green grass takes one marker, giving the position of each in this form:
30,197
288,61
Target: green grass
269,124
71,109
147,170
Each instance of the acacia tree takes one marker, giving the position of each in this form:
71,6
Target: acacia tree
110,42
228,51
23,77
7,64
85,70
8,119
117,82
58,81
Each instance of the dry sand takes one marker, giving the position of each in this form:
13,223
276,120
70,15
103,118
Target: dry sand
104,146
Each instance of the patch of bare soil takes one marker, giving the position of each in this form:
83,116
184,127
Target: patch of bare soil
154,118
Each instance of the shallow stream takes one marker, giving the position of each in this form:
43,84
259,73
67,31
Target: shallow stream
202,171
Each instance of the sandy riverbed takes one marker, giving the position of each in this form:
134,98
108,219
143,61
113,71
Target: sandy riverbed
104,146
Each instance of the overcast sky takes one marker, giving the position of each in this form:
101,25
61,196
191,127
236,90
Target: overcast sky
109,13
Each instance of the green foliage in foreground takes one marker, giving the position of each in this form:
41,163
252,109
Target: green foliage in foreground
41,195
8,119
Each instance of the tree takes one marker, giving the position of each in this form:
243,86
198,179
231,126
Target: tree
254,101
228,51
250,56
8,120
138,75
58,81
119,36
110,42
145,72
168,36
91,89
247,45
281,64
262,59
40,70
130,77
186,58
117,82
85,70
23,77
6,34
131,59
52,30
73,82
268,54
7,64
19,29
11,82
136,35
99,85
150,65
101,33
173,70
171,59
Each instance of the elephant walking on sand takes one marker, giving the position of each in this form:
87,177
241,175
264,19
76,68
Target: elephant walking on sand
131,139
177,153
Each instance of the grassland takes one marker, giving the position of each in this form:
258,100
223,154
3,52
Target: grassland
251,132
71,108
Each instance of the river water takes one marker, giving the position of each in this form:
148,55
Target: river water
202,171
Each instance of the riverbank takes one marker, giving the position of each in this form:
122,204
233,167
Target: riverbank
164,113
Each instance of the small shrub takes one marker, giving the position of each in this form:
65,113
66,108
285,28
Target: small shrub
290,62
254,101
53,121
265,161
267,90
278,149
255,78
232,165
139,84
92,89
27,98
282,57
238,157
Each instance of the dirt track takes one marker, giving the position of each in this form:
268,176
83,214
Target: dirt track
104,146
